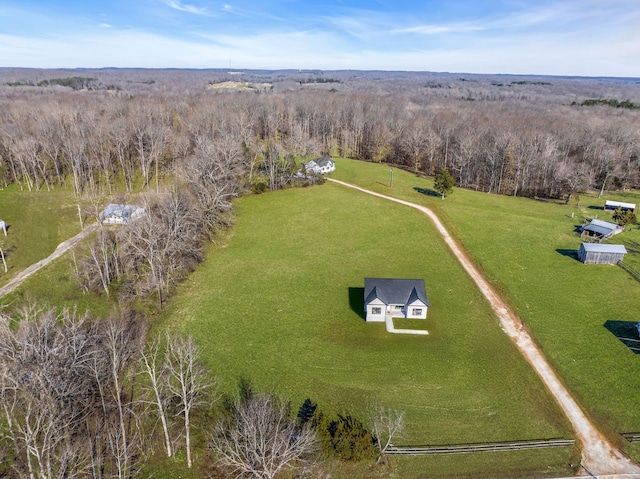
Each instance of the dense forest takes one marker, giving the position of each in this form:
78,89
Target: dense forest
511,136
94,398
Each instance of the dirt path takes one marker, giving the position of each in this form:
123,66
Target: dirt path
599,456
60,250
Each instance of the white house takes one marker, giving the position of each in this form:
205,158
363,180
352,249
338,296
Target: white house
120,214
321,166
396,298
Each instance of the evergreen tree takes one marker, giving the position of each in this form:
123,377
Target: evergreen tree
444,182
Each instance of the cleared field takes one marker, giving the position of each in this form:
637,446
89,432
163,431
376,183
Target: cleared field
527,248
38,221
281,304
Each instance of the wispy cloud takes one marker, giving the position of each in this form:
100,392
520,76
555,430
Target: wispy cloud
185,7
561,37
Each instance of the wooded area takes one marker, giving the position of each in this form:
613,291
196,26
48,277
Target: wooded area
526,138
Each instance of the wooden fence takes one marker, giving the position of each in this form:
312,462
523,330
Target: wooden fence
480,447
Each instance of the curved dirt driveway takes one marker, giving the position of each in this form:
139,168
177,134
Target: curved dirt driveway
599,456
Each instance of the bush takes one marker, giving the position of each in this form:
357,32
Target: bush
624,217
345,437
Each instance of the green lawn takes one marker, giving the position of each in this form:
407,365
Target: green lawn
281,304
38,222
526,247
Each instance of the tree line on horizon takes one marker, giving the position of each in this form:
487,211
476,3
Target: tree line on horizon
99,144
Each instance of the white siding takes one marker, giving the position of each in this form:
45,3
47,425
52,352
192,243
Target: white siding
417,310
371,316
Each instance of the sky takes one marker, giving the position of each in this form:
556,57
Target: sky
560,37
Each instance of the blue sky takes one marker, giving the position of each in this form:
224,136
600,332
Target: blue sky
562,37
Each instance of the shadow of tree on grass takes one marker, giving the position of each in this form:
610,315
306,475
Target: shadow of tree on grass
427,192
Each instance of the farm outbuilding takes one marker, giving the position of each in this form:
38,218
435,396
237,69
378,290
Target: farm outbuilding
115,214
614,205
592,253
600,229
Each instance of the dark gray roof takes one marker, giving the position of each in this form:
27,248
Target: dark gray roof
604,248
394,291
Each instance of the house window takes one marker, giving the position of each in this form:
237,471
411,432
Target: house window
416,312
376,310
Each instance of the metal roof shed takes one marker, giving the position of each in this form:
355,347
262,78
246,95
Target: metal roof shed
592,253
613,205
601,229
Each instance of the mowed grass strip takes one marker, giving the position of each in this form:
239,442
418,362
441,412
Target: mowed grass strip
527,248
281,306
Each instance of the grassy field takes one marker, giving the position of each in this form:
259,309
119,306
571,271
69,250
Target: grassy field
281,304
527,249
38,221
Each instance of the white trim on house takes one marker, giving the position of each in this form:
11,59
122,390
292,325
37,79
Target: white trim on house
394,298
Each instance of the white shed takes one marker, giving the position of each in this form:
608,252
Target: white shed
596,253
614,205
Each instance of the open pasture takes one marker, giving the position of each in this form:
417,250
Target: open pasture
281,305
527,249
38,222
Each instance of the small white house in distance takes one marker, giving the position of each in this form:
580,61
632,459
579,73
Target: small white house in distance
396,298
120,214
595,253
320,166
614,205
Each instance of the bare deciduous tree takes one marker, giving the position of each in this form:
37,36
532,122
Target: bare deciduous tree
154,367
188,381
260,439
387,425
